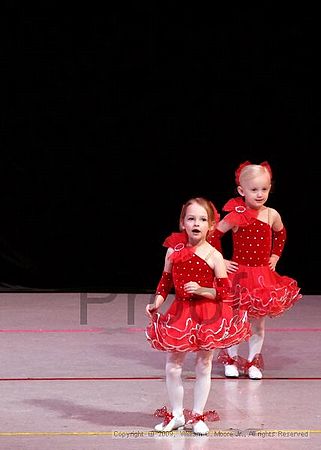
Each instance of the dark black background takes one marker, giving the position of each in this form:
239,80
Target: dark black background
112,119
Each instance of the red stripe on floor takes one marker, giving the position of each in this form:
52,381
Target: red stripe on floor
90,330
149,378
135,330
81,378
295,329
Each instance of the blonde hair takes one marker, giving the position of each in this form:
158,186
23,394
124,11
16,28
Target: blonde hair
253,170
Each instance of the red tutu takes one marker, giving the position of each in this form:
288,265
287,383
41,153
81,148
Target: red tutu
197,325
194,322
263,292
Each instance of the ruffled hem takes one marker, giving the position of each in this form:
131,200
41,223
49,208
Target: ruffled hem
191,336
262,292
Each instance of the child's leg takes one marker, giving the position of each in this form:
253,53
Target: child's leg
203,370
174,384
175,390
255,348
257,338
233,351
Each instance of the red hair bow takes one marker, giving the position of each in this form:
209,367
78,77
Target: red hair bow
267,166
239,170
247,163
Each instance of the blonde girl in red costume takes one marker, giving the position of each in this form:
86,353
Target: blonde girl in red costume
259,236
200,318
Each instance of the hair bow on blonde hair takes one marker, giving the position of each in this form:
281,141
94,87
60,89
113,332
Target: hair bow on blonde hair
239,170
267,166
248,163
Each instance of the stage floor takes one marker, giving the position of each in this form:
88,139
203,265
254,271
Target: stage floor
77,373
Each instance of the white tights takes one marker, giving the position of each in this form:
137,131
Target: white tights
255,341
174,384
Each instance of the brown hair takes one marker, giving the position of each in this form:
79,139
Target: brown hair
212,214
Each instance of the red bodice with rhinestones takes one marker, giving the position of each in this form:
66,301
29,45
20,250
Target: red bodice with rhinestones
194,269
252,244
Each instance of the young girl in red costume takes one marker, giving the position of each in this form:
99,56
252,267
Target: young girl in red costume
258,241
200,318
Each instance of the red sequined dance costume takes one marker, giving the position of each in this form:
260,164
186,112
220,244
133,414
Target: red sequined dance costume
193,322
256,288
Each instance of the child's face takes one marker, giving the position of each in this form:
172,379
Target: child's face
255,190
196,223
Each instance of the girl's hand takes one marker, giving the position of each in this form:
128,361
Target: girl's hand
191,287
273,261
231,266
150,309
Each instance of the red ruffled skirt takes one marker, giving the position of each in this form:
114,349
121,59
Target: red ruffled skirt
192,325
263,292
